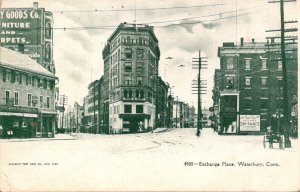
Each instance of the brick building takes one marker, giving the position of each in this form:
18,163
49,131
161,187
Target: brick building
161,103
248,86
27,96
29,31
131,59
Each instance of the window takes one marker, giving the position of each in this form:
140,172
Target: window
4,75
125,93
279,82
48,30
128,53
142,94
41,101
263,81
127,80
264,104
8,75
264,64
279,64
128,67
48,52
248,63
127,108
229,82
45,83
130,93
32,81
16,98
7,95
247,81
48,84
128,39
140,40
48,102
139,67
139,109
139,80
17,77
29,99
13,77
229,63
140,53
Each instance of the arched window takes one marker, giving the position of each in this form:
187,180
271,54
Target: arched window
48,52
48,30
140,40
128,39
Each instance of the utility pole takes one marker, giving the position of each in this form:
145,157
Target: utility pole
286,113
200,61
64,102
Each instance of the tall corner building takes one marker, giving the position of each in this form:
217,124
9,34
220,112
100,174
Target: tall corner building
29,31
131,59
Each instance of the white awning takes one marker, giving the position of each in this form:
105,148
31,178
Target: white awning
48,112
18,114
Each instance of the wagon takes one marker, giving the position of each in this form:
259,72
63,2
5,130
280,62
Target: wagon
272,137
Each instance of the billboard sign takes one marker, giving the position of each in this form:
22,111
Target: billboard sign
20,26
249,122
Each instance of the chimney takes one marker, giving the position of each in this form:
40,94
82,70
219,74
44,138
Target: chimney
35,5
242,41
253,40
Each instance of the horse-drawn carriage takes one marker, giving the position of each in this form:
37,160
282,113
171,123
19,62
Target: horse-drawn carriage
271,137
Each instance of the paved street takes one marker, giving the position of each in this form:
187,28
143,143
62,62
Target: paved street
158,161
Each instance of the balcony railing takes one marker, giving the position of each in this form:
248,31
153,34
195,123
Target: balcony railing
7,105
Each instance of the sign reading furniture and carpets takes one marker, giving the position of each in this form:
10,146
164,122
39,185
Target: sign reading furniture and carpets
20,26
249,122
23,30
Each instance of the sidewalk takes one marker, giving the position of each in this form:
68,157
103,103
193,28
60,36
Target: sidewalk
57,137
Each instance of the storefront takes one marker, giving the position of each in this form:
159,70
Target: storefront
229,112
19,125
47,123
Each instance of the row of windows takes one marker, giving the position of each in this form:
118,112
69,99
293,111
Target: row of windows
264,82
138,94
264,103
16,77
129,40
230,63
127,109
32,101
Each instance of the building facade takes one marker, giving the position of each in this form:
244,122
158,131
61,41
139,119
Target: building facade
27,97
161,103
248,89
29,31
131,59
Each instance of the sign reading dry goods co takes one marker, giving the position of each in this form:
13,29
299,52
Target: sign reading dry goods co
249,122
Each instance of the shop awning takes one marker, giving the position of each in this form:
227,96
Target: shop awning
48,112
18,114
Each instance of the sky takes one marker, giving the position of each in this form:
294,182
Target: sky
82,27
